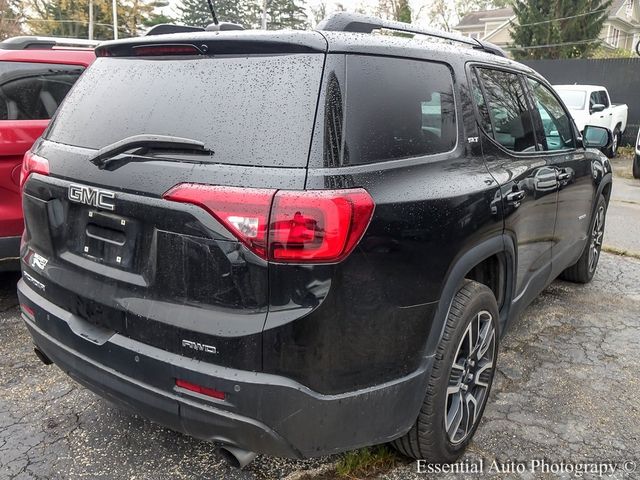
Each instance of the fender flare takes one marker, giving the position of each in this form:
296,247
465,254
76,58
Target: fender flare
607,179
501,244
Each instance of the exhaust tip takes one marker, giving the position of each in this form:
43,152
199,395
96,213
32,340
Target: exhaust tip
236,457
40,354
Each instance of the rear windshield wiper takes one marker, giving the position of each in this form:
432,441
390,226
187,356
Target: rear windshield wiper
108,157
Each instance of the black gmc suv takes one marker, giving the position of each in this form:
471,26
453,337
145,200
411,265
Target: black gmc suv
299,243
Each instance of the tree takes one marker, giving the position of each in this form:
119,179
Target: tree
70,18
10,19
445,14
286,14
398,10
557,28
198,14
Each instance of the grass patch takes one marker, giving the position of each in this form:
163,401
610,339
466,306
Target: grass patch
628,151
367,462
620,251
622,164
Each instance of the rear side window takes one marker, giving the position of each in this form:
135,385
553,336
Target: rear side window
557,130
33,91
250,110
508,109
397,108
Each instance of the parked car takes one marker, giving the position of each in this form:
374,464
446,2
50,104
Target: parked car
636,158
303,242
591,105
35,75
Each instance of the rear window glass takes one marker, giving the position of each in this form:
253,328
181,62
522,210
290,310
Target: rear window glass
33,91
397,108
249,110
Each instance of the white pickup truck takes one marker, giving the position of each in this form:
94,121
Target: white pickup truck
591,105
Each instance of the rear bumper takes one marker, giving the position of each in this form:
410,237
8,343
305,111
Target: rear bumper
263,413
9,253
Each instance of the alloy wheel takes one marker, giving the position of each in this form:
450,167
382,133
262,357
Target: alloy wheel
597,233
470,377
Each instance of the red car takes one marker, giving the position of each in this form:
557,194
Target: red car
35,75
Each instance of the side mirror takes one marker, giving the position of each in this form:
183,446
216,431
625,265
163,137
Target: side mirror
596,137
598,107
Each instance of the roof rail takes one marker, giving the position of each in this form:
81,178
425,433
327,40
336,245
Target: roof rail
165,28
358,23
42,43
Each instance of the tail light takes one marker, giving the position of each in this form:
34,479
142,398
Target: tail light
32,163
321,226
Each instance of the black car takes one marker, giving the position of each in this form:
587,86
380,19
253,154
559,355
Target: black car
300,243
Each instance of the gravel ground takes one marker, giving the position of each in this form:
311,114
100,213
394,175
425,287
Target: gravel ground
567,389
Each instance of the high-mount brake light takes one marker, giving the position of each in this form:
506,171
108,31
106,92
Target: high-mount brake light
32,163
162,50
288,226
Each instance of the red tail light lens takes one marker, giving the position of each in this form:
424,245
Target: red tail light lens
321,226
318,226
244,211
32,163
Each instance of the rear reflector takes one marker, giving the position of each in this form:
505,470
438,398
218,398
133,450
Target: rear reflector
210,392
28,311
32,163
310,226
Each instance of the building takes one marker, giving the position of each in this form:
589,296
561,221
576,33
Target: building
620,30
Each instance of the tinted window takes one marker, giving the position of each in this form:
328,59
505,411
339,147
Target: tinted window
33,91
573,98
397,108
555,121
478,97
508,110
249,110
599,97
602,98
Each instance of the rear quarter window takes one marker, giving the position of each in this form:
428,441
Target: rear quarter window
33,91
397,108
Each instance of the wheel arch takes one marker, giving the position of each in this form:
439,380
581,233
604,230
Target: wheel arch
479,263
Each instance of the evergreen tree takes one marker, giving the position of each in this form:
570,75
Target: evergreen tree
198,14
545,24
283,14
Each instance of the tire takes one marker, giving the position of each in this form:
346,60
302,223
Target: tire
429,438
636,166
583,270
612,152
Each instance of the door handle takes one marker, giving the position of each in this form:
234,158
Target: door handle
515,197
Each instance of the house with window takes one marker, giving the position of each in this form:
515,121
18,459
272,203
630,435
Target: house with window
621,29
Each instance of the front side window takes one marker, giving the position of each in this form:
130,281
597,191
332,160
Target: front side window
555,120
507,105
397,108
33,91
603,99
